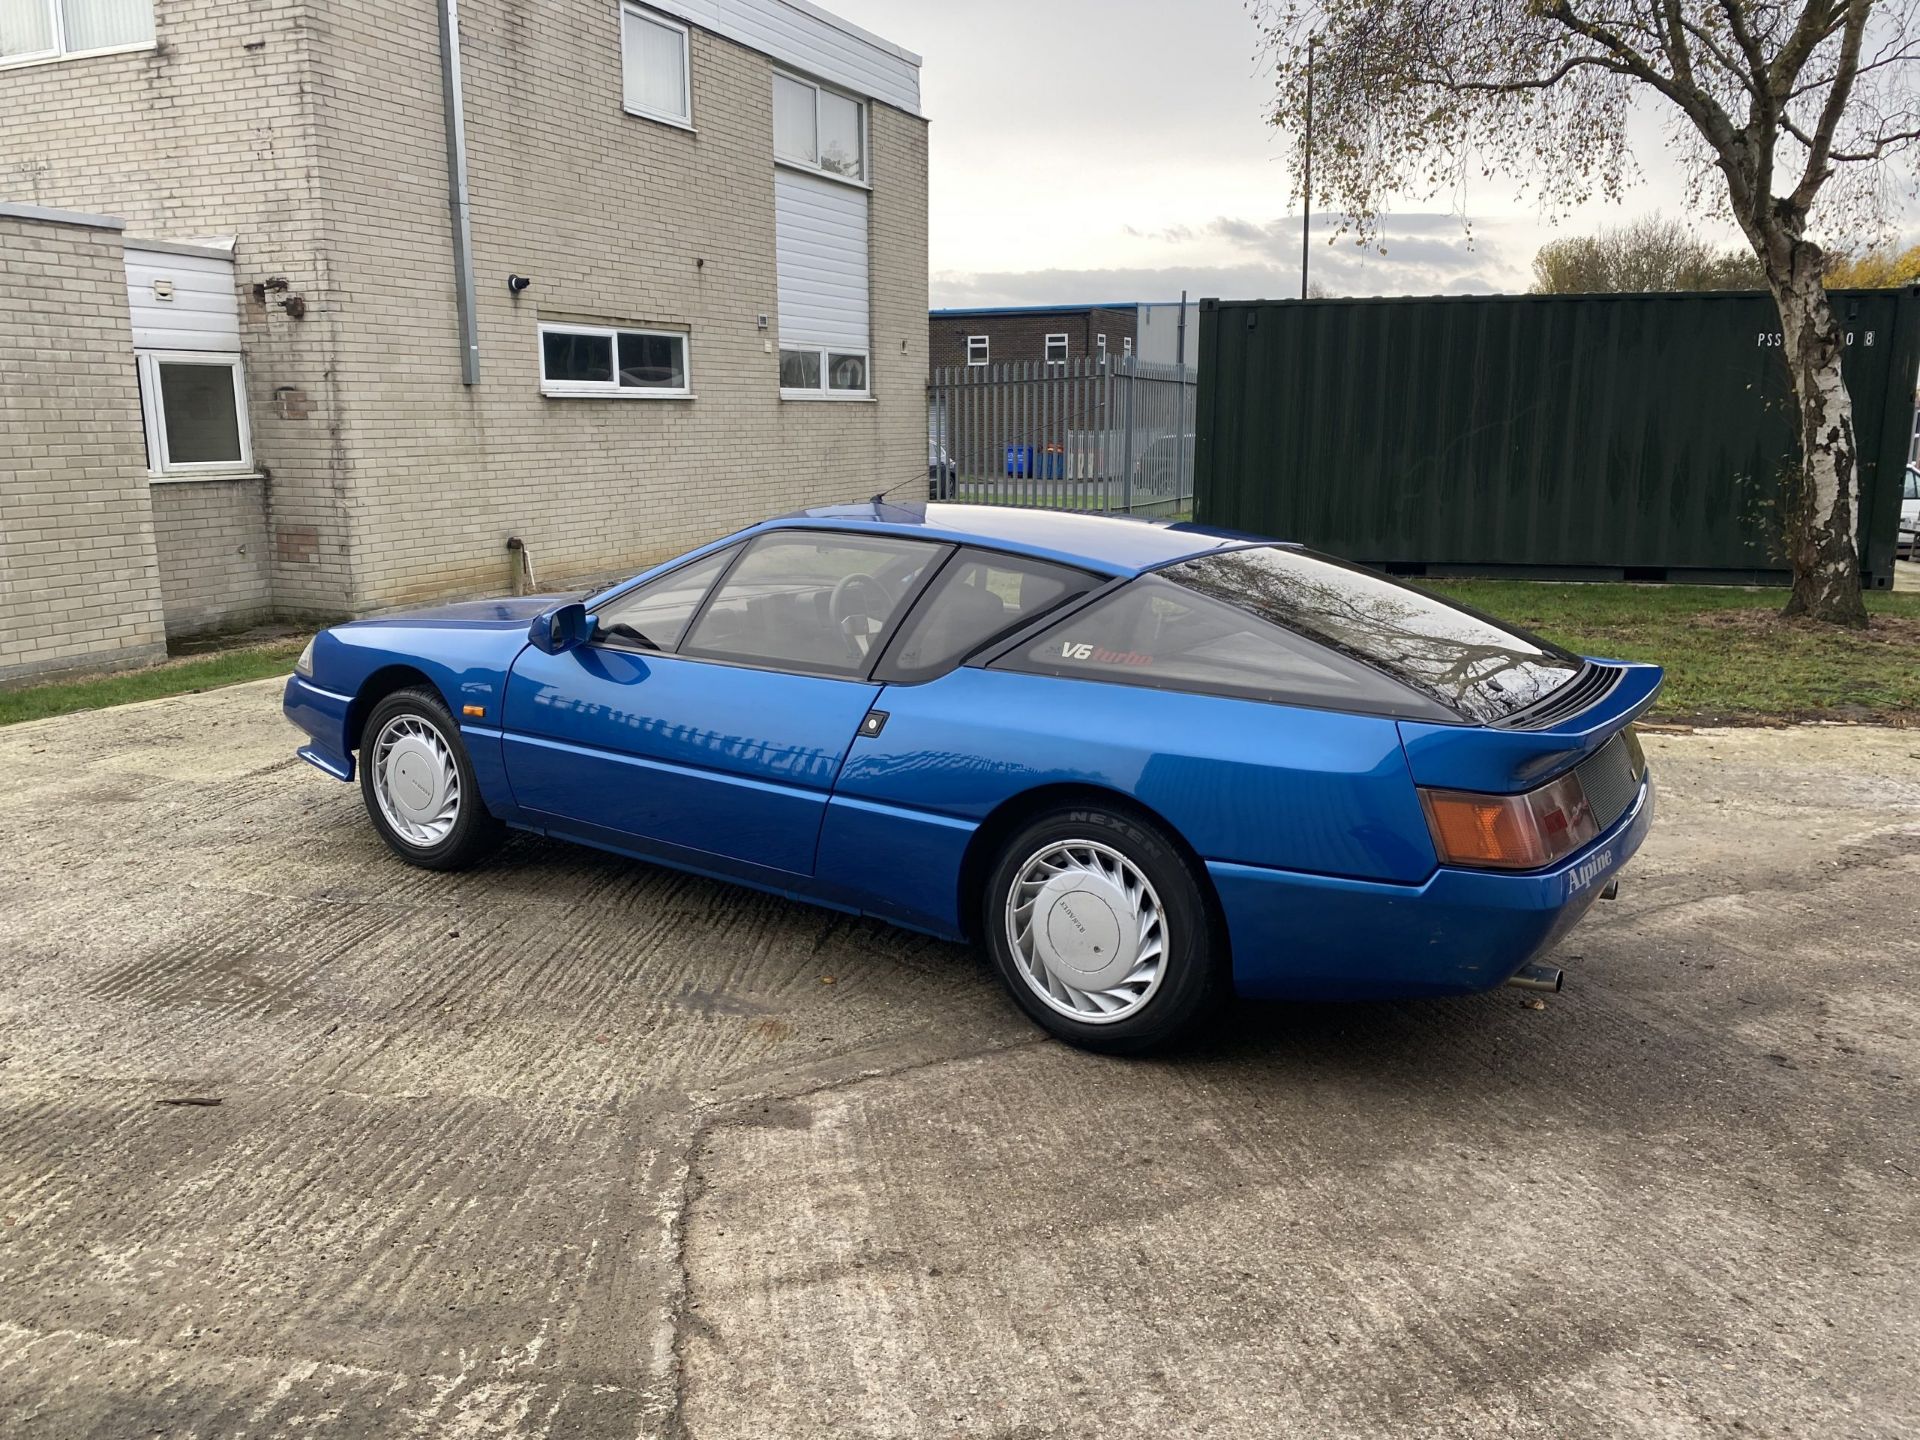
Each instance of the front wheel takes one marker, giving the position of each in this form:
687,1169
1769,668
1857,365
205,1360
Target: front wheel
419,786
1100,929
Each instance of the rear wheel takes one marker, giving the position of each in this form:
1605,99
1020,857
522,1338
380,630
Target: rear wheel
1101,931
419,786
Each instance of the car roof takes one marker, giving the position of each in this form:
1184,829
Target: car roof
1113,544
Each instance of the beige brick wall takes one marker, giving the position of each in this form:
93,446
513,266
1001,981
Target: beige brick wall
210,134
79,587
215,557
313,132
616,219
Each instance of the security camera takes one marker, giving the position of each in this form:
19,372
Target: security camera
517,283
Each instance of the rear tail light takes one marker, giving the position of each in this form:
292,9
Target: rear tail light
1510,832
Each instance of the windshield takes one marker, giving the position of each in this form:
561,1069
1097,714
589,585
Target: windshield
1471,665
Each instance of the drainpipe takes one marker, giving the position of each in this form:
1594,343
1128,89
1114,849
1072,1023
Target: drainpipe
457,189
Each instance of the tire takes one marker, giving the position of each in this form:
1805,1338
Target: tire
431,814
1076,869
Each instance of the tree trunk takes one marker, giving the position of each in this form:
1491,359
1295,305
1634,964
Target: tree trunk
1823,526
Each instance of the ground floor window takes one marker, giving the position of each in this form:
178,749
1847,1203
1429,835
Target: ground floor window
194,405
824,371
586,360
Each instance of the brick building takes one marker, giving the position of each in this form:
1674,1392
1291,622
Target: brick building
257,366
1030,334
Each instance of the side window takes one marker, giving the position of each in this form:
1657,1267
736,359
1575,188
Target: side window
811,600
1165,637
978,596
655,616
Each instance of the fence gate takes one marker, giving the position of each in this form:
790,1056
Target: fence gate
1112,435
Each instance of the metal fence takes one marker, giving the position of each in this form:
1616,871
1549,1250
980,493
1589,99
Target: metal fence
1085,434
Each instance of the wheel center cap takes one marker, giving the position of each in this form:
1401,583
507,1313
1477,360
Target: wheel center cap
413,780
1084,939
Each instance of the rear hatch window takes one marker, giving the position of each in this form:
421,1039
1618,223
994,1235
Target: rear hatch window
1472,665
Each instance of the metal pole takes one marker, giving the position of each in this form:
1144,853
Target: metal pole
1180,335
457,189
1306,187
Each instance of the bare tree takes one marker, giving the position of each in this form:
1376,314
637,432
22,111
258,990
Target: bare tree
1651,254
1781,104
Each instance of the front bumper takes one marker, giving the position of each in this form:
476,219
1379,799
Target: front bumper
323,715
1316,937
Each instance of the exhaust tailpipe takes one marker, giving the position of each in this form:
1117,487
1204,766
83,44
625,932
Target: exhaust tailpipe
1536,977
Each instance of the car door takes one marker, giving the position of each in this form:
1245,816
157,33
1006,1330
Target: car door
709,720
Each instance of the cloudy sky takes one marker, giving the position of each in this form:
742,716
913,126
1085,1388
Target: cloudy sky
1116,150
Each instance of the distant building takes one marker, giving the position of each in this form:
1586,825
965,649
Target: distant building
1030,334
1168,333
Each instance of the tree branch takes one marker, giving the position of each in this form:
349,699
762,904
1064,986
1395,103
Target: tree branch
1540,82
1881,144
1706,113
1820,146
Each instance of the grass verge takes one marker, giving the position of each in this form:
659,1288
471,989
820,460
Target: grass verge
169,677
1728,654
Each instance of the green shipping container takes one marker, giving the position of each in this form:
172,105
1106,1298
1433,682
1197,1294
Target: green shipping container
1594,436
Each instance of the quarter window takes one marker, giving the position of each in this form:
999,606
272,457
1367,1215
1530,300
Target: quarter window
655,59
584,360
1471,665
818,128
1056,349
976,597
812,601
976,349
1165,637
46,29
194,405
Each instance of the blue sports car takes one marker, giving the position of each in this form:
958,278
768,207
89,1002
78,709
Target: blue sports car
1143,763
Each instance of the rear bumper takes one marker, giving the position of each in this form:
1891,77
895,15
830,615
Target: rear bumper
323,715
1314,937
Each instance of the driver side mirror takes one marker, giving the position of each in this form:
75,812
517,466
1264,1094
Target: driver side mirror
563,628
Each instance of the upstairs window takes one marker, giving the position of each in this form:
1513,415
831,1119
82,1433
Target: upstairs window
590,360
1056,349
976,349
48,29
819,129
654,57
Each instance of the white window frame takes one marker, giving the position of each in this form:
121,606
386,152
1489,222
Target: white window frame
986,350
1047,350
654,17
1100,346
611,389
864,180
60,51
160,466
826,392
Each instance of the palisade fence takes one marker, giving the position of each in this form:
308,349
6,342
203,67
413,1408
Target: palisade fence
1113,435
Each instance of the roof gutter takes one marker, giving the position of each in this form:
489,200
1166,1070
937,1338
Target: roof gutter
457,189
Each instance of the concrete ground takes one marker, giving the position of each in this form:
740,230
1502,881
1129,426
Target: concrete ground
573,1147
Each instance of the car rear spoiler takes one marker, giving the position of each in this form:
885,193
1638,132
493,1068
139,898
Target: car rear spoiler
1501,762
